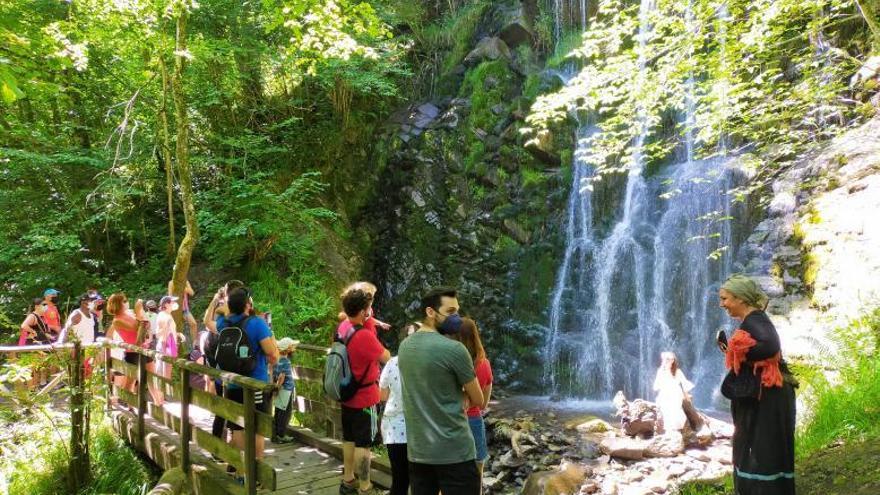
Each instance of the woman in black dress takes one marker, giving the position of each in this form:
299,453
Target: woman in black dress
763,438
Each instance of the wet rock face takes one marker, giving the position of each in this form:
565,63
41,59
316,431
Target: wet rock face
460,202
817,251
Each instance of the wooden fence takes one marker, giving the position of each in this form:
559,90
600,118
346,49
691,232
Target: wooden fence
311,407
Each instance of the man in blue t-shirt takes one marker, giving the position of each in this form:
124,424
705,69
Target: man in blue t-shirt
264,348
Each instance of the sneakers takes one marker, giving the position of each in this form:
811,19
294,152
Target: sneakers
372,491
348,487
283,439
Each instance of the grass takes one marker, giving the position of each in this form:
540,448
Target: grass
848,408
723,486
36,463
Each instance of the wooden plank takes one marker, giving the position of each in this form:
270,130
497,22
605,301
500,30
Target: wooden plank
310,475
225,376
250,442
308,374
266,474
131,371
334,447
185,426
323,485
231,410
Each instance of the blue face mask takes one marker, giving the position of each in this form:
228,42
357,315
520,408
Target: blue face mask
451,325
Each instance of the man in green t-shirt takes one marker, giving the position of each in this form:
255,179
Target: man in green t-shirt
433,370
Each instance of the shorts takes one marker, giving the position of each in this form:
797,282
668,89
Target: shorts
478,429
359,425
237,395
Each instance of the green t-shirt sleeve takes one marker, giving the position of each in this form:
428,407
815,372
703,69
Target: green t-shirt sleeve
461,364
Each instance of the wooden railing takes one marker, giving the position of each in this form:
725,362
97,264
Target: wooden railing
254,422
312,408
315,410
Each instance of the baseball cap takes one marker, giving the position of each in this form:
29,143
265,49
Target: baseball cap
50,292
286,343
86,297
151,304
166,299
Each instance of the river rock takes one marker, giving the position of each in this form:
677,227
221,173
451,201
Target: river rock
488,48
669,444
623,448
566,480
595,425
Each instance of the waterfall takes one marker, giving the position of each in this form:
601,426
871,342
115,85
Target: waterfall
647,283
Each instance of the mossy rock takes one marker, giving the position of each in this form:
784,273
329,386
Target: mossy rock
842,469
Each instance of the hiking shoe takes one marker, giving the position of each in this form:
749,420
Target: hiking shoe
372,490
348,488
284,439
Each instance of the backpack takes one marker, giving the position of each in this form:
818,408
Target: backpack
232,349
339,383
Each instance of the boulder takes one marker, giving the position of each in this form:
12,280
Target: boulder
540,146
567,480
488,48
623,448
669,444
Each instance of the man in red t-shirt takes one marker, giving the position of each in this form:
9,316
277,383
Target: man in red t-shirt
359,417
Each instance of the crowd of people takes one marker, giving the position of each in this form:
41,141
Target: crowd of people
436,390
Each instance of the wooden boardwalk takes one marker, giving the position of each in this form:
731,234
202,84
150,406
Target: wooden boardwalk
178,434
299,468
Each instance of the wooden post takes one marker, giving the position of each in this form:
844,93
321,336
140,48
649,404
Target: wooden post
108,372
142,397
250,441
78,469
185,427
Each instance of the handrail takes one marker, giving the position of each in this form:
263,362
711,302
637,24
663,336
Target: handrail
225,376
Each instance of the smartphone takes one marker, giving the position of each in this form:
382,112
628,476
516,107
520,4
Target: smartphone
721,337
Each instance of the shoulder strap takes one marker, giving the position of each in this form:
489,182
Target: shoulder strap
355,329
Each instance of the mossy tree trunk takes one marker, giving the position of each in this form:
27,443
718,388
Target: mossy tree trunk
184,174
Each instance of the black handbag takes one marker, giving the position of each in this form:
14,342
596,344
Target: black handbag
745,385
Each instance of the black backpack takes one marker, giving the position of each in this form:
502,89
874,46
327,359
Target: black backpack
231,351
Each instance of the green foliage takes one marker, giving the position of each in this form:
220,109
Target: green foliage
722,486
844,407
284,98
772,74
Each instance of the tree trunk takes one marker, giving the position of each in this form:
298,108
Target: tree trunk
166,154
78,469
184,175
869,12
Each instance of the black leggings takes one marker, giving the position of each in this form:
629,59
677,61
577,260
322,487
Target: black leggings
399,468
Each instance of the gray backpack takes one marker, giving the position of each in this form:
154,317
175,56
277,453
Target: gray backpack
339,382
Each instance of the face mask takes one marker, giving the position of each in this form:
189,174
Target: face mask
451,325
175,307
91,306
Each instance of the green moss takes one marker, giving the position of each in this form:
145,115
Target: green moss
561,55
532,178
810,266
487,85
722,486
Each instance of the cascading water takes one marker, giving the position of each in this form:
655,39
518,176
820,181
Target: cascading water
646,284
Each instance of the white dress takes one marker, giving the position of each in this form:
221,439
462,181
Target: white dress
671,391
393,423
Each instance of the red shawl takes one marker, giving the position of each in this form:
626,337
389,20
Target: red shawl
767,369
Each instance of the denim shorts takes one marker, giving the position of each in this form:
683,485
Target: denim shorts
478,429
